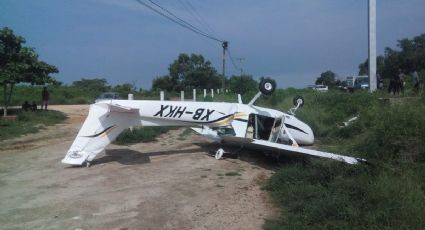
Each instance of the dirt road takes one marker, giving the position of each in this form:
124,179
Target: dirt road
171,183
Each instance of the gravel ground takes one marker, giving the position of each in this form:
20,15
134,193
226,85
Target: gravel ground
171,183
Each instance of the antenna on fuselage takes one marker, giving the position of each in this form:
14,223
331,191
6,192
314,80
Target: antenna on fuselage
266,87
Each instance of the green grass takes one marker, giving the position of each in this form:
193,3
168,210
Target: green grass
232,174
140,134
29,122
387,193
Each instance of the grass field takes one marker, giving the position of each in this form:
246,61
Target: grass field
29,122
387,193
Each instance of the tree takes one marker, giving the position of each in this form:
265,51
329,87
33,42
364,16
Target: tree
326,78
409,56
242,84
164,83
124,89
188,72
20,64
98,85
380,66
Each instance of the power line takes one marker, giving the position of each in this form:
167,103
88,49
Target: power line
179,21
233,61
198,17
186,7
175,16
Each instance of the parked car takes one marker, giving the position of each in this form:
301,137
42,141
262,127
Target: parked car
108,96
320,88
357,82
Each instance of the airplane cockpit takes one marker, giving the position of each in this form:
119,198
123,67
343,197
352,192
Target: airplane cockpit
263,127
258,127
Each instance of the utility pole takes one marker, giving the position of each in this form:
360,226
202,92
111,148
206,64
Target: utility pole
372,45
240,60
224,44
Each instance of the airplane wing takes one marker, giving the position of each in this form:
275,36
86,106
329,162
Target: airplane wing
261,144
311,152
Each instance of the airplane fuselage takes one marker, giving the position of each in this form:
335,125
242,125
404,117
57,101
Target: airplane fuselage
107,119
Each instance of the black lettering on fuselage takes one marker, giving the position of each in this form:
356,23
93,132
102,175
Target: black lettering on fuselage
198,114
160,112
179,112
171,111
207,116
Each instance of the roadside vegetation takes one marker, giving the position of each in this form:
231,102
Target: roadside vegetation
386,193
140,134
29,122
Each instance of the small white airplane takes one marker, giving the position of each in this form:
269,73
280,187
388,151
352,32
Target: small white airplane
245,125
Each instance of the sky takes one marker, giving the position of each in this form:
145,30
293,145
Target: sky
292,41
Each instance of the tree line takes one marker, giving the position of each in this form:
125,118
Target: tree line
193,71
408,57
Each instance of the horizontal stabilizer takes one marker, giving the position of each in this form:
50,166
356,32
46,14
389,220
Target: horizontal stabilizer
122,109
117,108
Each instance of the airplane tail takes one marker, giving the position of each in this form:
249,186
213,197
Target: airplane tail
103,124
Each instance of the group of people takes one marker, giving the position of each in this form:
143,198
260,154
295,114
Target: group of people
33,107
397,82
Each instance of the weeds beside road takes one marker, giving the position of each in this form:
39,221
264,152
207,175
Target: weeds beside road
29,122
386,193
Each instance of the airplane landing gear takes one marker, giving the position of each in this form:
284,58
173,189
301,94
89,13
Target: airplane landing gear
87,163
219,154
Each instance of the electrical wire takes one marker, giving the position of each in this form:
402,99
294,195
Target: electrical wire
233,61
198,17
179,21
175,16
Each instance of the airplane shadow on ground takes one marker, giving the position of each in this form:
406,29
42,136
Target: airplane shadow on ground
254,157
132,157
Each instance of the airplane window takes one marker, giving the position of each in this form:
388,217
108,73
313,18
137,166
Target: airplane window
226,131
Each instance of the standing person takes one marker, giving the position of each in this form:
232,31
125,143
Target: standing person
401,80
379,82
26,106
394,86
33,106
44,98
415,80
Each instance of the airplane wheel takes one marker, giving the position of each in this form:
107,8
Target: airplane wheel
298,100
267,86
87,164
219,154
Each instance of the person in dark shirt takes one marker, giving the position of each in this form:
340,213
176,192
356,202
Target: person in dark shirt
44,98
26,106
33,106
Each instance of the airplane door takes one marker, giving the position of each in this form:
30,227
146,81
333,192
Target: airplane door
251,127
274,136
260,127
